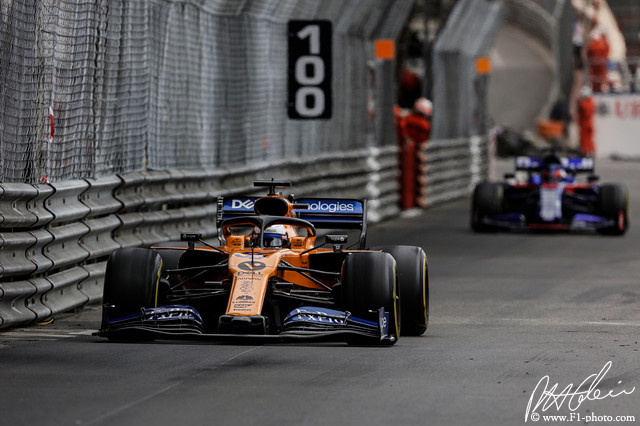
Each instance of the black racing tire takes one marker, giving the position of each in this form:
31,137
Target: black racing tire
369,282
613,204
131,283
170,259
413,286
486,201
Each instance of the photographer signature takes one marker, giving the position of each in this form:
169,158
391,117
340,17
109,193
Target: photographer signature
572,396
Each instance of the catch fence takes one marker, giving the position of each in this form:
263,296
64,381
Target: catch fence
95,88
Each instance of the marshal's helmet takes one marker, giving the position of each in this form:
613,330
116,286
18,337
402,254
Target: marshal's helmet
424,107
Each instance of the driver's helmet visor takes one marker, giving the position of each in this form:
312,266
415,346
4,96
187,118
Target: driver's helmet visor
274,240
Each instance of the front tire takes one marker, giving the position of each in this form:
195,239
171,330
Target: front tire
486,202
368,284
613,204
413,285
131,283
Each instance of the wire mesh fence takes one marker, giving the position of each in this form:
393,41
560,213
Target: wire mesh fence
90,88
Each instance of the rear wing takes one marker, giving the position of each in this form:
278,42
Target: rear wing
571,164
323,213
228,208
342,213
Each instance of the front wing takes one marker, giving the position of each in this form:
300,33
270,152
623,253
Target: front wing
305,323
580,221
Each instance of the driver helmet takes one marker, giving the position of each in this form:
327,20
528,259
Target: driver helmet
275,236
559,175
555,174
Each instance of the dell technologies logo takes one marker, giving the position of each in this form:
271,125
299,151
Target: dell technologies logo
238,203
331,207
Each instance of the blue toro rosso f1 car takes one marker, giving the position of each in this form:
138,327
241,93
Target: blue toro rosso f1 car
544,193
269,279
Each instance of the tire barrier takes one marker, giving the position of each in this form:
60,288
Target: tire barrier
55,238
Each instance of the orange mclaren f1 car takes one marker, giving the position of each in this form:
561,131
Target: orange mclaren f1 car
269,279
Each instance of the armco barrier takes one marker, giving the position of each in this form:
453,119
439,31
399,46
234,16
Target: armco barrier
38,208
14,303
36,252
55,238
65,203
99,196
13,254
65,250
14,199
453,167
125,235
91,286
98,241
101,219
36,302
65,293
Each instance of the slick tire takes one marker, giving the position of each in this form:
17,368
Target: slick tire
613,203
131,282
486,201
413,286
170,258
368,284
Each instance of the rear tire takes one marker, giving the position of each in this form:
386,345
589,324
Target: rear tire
413,285
131,283
368,284
613,204
486,201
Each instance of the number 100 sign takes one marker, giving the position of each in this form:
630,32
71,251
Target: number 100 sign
309,71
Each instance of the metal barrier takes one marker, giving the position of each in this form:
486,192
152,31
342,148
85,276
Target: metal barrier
36,302
14,200
36,252
453,167
101,219
92,285
14,303
65,292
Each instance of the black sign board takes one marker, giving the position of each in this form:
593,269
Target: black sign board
309,70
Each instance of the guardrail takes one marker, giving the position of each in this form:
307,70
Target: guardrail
55,238
453,167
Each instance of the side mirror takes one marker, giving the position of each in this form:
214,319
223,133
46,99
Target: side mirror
190,236
337,240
